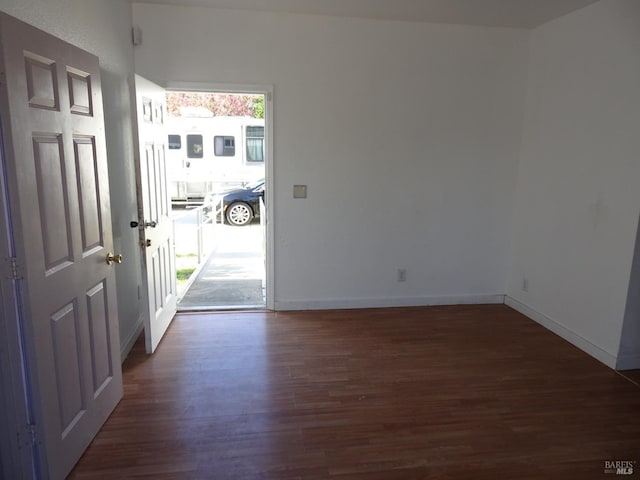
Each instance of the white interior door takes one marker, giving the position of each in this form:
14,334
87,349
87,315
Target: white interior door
54,149
154,212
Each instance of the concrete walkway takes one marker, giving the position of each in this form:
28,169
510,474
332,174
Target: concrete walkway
234,274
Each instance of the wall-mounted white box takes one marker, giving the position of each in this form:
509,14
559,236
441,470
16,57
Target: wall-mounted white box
299,191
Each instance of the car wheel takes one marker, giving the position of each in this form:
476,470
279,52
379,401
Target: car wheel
239,214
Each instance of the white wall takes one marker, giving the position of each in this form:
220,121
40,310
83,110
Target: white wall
629,353
103,27
407,134
577,193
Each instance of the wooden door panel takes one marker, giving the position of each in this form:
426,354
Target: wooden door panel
147,110
167,272
98,314
66,341
162,267
53,201
156,268
151,208
42,81
89,193
165,198
80,100
163,206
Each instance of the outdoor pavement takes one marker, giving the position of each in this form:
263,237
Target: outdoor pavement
234,274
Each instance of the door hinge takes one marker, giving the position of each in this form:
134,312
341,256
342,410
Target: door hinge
13,268
29,436
32,433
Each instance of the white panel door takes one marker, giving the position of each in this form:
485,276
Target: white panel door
53,131
154,212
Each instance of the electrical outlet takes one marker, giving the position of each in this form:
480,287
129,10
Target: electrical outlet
402,275
525,284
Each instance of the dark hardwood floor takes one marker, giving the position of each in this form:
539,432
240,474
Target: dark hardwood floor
465,392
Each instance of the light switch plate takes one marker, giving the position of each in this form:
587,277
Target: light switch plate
299,191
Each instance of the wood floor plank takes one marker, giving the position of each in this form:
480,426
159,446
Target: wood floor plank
431,392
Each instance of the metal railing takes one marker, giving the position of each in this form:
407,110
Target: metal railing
195,235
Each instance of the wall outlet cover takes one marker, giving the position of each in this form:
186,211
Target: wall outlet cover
299,191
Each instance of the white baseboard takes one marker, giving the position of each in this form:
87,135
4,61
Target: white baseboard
628,362
569,335
351,303
126,347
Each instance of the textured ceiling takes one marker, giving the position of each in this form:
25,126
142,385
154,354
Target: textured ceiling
494,13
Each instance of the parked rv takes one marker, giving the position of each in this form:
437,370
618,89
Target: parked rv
208,155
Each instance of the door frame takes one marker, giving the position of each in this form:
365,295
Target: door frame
267,91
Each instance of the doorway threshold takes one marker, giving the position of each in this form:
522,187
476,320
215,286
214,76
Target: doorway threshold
224,309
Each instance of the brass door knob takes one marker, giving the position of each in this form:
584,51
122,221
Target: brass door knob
113,258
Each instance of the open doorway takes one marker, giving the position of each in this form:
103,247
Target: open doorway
216,167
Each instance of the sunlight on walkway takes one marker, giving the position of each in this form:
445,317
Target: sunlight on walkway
233,275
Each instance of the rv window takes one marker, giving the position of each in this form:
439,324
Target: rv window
224,146
255,144
175,142
194,146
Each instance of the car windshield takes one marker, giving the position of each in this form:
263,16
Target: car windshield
253,185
